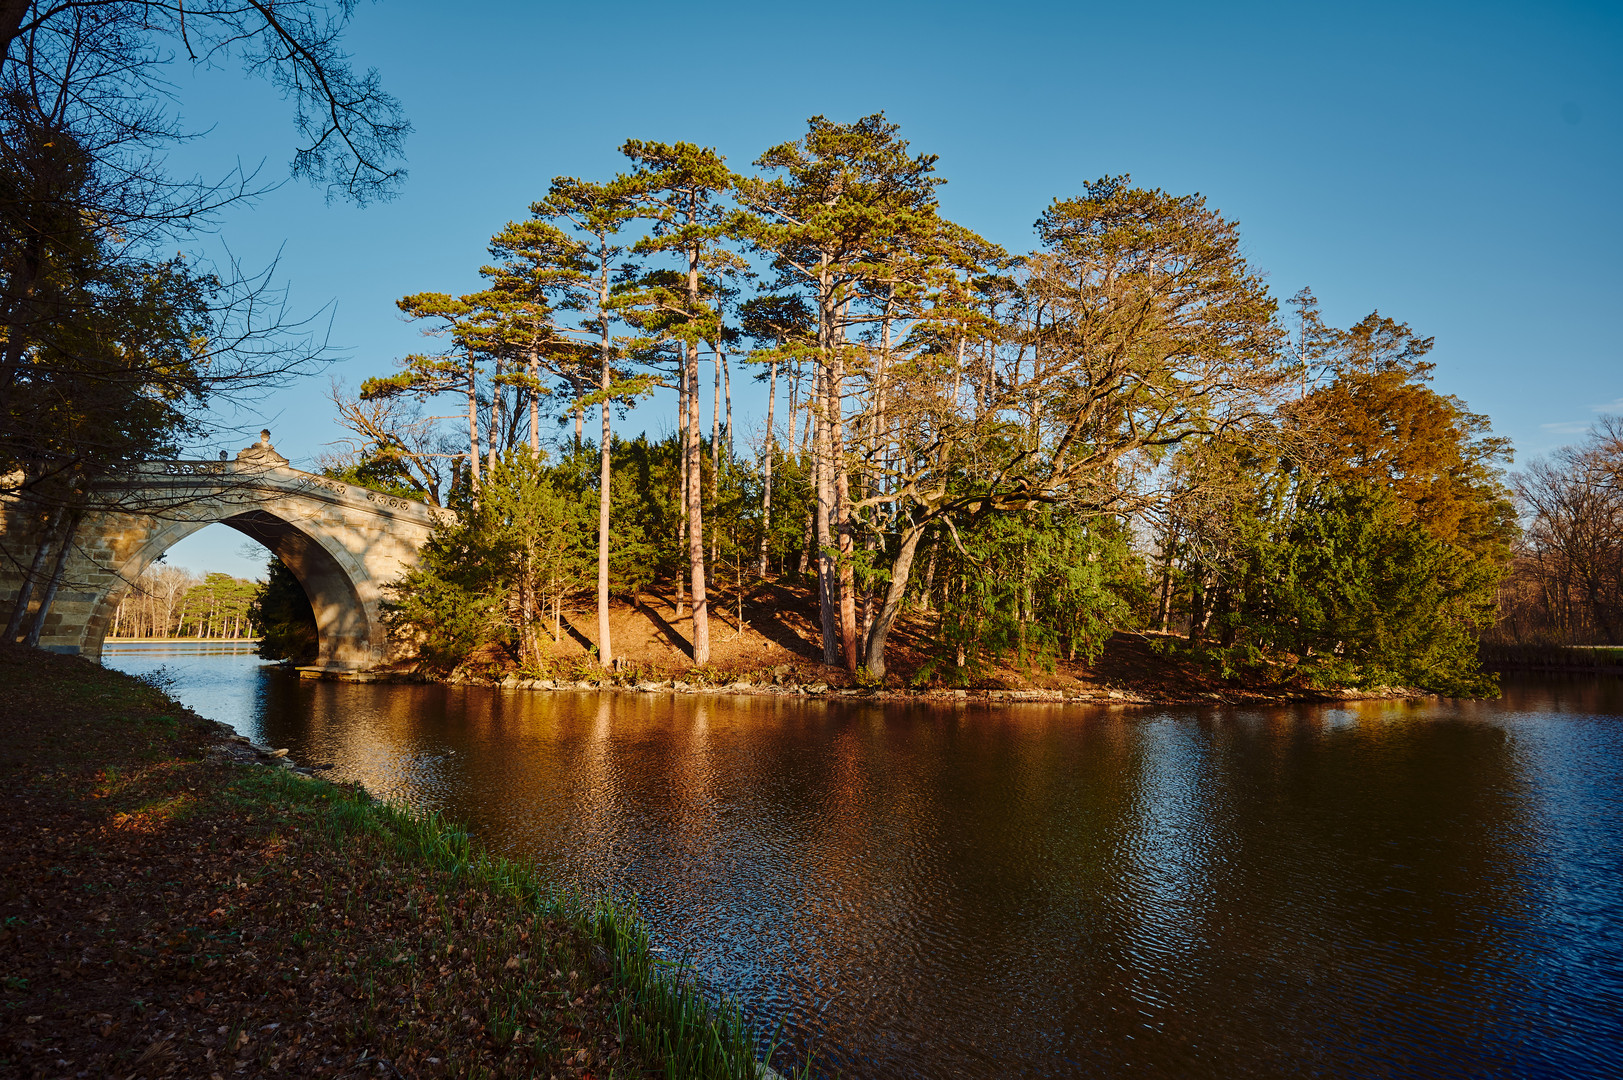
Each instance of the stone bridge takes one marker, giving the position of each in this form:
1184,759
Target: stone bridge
342,542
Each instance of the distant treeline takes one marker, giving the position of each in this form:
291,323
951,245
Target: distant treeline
168,602
1566,582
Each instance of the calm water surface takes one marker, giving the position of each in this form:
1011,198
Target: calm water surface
1045,891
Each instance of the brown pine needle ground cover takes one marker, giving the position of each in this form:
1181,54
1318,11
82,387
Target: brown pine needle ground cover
778,642
166,910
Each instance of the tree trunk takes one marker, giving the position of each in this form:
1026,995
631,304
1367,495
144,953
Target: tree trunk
766,469
498,417
535,404
682,479
701,612
605,651
12,13
38,625
715,459
1168,544
794,400
842,510
827,581
808,539
473,422
925,604
880,631
727,391
25,592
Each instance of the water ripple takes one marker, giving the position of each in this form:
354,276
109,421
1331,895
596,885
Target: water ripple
1378,890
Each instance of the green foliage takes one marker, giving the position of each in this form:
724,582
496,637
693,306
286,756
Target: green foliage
287,625
1365,597
792,499
515,551
1318,509
1035,585
216,607
643,514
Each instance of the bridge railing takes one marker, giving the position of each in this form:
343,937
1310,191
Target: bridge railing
180,481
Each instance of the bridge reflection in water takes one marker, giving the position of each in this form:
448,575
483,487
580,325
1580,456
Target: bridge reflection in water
1389,889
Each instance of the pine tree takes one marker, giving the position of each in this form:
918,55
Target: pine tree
847,197
678,187
584,266
456,369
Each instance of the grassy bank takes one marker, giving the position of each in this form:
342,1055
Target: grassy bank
168,908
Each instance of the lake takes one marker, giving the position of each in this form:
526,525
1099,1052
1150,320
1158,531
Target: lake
1379,889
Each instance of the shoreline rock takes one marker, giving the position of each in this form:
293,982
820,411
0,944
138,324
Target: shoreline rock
771,684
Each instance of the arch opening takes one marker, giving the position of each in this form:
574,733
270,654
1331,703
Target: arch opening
344,626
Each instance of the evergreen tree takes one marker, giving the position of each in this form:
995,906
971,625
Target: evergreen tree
678,187
286,622
456,369
501,571
847,198
582,261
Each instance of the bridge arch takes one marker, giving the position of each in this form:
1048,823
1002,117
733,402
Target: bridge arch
344,544
347,627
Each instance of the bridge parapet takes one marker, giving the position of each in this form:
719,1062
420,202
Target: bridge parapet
184,480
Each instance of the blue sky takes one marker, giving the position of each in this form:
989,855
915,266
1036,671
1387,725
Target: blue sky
1458,167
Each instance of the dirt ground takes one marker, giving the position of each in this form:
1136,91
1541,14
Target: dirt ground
777,632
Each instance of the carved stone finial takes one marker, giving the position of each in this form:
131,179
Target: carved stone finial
261,453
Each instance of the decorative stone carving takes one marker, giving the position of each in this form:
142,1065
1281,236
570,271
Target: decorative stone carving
262,454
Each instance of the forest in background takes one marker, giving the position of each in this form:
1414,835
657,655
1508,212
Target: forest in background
1119,429
170,602
1565,584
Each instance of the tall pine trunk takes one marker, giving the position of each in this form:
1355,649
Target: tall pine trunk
695,485
498,419
682,478
727,392
535,404
794,399
766,469
715,458
605,651
842,522
827,580
473,421
701,611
